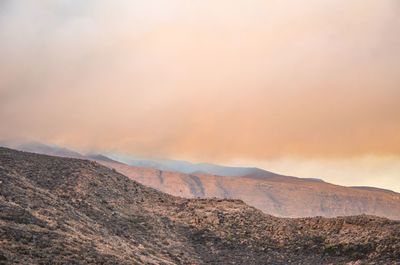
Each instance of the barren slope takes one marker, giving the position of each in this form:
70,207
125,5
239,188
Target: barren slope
284,196
57,210
272,193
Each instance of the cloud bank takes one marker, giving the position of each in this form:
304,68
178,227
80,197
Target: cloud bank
204,80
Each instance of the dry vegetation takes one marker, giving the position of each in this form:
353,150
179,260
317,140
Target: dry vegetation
68,211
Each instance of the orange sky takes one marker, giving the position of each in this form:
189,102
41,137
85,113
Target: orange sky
313,82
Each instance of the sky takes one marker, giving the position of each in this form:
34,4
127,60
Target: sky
306,88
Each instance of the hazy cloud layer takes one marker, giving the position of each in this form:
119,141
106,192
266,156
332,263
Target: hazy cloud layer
364,170
206,80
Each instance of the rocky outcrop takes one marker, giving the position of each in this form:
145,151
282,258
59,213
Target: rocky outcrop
56,210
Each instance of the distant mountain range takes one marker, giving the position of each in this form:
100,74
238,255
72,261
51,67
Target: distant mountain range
186,167
160,164
272,193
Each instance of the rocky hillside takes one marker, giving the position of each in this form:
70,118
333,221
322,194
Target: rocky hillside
57,210
278,195
272,193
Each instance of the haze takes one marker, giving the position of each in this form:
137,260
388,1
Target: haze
307,88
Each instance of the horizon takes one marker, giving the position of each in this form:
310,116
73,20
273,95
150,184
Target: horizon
305,89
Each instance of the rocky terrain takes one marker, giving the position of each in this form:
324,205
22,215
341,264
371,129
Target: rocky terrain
57,210
277,195
272,193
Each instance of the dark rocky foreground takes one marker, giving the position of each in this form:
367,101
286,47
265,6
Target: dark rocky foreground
68,211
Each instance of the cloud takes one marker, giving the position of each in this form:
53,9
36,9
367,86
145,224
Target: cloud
207,80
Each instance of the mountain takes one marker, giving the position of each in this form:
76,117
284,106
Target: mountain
272,193
58,210
191,168
278,195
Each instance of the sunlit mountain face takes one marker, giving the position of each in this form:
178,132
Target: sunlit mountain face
272,193
307,89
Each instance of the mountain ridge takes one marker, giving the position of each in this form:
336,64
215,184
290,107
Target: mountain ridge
65,210
272,193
